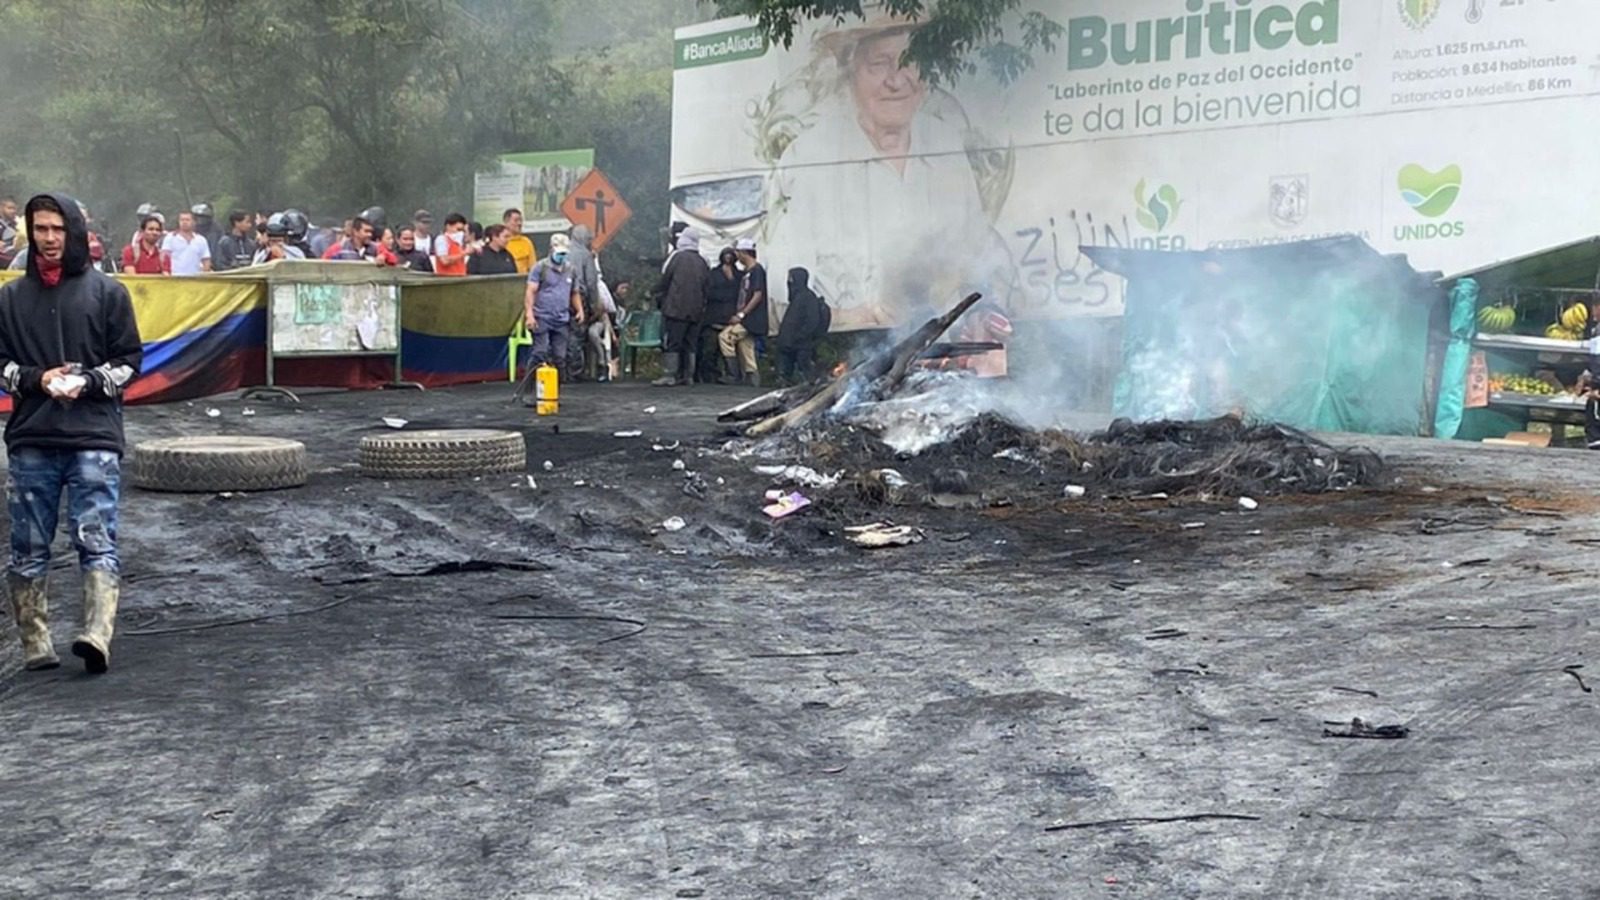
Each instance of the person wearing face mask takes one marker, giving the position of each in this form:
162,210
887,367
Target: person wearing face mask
682,295
551,304
805,324
722,301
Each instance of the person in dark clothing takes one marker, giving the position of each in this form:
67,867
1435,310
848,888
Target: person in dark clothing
69,347
494,258
682,296
749,321
722,301
205,225
238,248
805,323
412,257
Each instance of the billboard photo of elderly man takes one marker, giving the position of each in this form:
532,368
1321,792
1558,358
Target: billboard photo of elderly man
876,184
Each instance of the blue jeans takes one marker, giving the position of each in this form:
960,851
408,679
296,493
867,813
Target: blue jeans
92,479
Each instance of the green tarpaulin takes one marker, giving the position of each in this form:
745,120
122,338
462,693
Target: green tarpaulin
1325,335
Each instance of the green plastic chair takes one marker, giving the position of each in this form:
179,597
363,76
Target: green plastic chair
640,331
519,338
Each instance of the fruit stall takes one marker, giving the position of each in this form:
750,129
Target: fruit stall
1536,335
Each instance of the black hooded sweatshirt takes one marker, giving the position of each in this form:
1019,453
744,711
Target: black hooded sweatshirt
86,319
807,320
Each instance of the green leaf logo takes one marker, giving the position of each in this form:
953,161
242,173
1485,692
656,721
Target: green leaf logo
1431,194
1158,210
1419,14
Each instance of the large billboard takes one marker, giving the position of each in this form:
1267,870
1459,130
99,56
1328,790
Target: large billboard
535,183
1457,132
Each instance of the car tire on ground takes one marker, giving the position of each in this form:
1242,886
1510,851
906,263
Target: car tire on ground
213,463
448,453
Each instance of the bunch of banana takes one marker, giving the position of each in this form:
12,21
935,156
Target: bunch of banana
1575,317
1497,319
1521,384
1560,332
1570,325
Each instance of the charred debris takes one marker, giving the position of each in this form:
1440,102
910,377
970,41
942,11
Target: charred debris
896,431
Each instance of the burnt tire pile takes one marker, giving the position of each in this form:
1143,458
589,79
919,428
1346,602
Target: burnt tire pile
450,453
212,464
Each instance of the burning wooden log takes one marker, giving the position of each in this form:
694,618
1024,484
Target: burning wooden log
877,378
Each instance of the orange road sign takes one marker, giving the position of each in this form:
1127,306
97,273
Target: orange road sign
596,203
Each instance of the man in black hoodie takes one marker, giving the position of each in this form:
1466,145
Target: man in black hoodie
69,346
804,324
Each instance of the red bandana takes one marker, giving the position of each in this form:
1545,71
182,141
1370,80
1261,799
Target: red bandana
49,271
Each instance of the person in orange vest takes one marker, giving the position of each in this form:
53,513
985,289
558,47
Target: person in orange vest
450,248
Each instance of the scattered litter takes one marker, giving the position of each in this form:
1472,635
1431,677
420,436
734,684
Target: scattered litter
395,422
694,485
1163,634
1075,492
1429,489
649,410
721,481
1573,671
1254,533
1190,526
676,523
1246,503
549,466
884,534
801,475
213,412
247,411
579,483
1015,454
678,465
774,494
893,478
787,505
627,434
672,446
228,495
1160,495
1360,729
533,484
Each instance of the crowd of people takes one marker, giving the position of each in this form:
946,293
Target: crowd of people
196,243
715,319
725,307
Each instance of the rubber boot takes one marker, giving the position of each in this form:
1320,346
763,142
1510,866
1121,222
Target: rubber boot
31,603
753,377
686,369
93,646
669,371
730,371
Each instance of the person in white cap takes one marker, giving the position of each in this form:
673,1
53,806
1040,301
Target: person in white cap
749,322
552,303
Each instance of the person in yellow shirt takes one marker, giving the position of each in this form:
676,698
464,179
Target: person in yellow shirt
520,246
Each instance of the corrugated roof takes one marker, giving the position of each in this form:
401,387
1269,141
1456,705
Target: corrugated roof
1574,265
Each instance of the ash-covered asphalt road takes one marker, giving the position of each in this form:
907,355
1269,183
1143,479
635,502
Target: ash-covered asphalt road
486,689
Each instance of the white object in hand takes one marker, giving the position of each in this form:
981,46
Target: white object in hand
63,385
